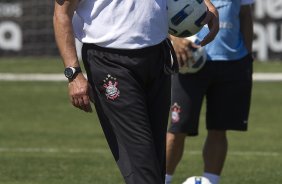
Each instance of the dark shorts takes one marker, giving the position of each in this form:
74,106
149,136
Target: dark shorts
132,100
226,85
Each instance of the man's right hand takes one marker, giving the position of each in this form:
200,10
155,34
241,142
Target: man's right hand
79,93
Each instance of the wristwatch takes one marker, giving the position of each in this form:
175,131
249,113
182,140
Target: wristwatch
70,72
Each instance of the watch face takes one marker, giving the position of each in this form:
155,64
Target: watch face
68,73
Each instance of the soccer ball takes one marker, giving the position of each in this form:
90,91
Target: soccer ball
185,16
198,60
197,180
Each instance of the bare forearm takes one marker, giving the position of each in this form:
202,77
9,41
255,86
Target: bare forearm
247,26
64,32
208,3
213,23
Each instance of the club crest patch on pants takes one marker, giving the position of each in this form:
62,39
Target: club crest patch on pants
111,85
175,113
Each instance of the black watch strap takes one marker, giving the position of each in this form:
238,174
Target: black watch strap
77,69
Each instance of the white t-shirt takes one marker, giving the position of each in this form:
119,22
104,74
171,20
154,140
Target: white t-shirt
122,24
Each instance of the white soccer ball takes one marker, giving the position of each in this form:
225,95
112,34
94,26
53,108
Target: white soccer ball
185,16
198,60
197,180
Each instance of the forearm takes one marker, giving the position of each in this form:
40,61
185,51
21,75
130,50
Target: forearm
64,35
211,7
246,24
212,20
209,4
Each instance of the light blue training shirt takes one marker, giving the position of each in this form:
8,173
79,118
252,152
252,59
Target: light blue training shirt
228,44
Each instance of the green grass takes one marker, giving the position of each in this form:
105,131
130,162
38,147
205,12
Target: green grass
254,156
38,115
44,140
272,66
31,65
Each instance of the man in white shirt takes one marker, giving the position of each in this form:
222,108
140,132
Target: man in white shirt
124,52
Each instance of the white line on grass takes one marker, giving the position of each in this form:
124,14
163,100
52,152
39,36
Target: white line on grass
264,77
50,150
31,77
241,153
102,151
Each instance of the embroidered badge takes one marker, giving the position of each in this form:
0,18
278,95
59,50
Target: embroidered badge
175,113
112,91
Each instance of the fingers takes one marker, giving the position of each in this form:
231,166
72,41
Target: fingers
82,102
182,58
181,47
86,104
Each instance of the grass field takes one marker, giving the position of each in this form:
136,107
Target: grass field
54,65
44,140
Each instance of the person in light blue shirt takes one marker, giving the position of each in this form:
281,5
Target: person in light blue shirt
225,81
229,44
